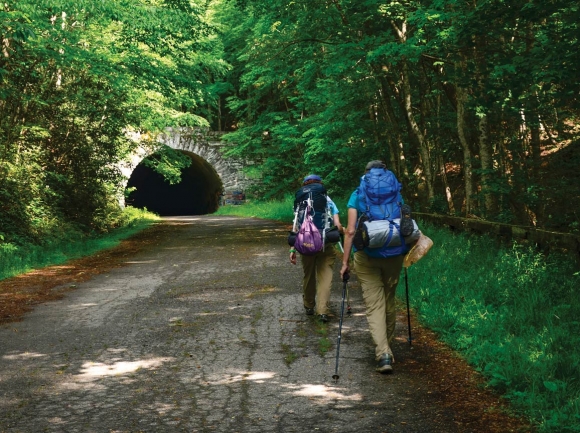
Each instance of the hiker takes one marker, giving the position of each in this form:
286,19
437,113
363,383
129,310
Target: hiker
377,269
317,266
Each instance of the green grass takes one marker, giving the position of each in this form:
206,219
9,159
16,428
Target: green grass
289,356
19,259
511,312
324,345
273,210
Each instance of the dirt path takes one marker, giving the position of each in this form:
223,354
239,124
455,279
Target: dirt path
196,325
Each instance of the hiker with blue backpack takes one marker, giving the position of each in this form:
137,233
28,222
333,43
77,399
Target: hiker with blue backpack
316,227
380,231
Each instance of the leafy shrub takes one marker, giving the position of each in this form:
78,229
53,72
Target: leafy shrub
68,242
513,313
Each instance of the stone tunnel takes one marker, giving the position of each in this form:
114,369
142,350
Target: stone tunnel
198,193
202,183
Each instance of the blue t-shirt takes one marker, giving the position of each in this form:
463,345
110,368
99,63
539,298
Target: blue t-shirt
332,206
353,200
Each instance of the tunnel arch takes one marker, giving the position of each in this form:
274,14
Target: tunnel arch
199,144
198,193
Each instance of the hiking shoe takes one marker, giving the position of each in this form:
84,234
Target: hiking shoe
323,318
385,364
309,311
407,227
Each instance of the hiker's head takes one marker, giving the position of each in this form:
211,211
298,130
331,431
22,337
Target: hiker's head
311,178
375,164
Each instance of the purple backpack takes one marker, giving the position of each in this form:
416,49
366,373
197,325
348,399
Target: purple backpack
309,240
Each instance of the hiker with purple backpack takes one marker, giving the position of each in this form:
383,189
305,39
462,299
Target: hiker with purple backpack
381,232
317,216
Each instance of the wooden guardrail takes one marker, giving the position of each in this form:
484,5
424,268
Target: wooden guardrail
544,240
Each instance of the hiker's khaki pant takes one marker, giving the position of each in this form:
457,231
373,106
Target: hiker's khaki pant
318,279
378,279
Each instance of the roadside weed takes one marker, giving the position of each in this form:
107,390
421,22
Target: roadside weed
324,345
512,313
289,356
18,259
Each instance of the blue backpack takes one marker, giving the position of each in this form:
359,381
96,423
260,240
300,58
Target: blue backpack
379,199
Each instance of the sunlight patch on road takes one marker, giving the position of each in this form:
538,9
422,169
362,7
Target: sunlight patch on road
139,262
82,306
57,421
254,376
159,408
324,393
119,350
263,290
267,254
24,355
91,371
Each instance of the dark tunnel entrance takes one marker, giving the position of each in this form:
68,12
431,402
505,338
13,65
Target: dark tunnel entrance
198,193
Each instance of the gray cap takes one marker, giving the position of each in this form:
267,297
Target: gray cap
375,164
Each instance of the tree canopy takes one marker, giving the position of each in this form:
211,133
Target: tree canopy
76,76
474,105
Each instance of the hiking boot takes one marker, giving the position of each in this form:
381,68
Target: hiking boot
323,318
309,311
385,364
407,227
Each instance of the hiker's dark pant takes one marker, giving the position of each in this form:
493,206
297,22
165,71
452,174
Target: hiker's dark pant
379,278
318,279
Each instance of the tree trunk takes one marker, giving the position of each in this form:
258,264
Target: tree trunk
467,164
399,165
536,176
414,127
485,154
448,195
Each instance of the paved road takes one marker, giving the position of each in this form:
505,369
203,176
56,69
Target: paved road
204,331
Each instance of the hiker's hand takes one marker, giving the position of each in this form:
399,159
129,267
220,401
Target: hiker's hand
293,258
344,271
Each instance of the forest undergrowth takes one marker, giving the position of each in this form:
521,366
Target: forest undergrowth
69,244
508,310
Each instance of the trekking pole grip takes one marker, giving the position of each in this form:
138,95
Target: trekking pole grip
345,277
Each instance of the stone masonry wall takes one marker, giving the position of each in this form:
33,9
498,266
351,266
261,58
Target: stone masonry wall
208,145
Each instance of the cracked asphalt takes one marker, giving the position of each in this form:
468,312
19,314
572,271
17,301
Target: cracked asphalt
204,331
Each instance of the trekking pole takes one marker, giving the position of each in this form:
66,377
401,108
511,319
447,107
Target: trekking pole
348,310
408,311
335,376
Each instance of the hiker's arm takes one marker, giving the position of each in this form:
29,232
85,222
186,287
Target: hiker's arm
293,257
348,237
337,223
